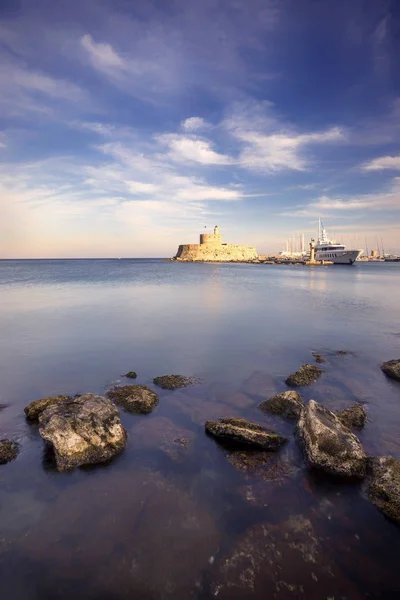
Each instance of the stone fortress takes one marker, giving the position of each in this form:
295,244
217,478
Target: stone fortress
211,249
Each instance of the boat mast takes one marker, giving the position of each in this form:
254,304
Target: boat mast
383,252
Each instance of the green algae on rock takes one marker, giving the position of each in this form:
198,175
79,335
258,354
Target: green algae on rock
134,398
306,375
131,375
173,382
354,416
8,451
35,408
328,445
82,430
391,368
287,404
244,433
384,488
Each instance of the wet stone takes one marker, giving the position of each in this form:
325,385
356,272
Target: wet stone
391,368
353,417
306,375
318,357
287,404
173,382
8,451
240,432
286,560
130,375
328,445
83,430
384,487
35,408
134,398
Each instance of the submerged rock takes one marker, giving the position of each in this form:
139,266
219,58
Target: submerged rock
131,535
354,416
2,406
342,352
287,404
8,451
173,382
318,357
130,375
279,561
260,384
391,368
134,398
384,488
33,410
328,445
244,433
306,375
82,430
160,433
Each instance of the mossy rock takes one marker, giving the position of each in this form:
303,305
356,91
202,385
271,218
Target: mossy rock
306,375
239,432
131,375
287,404
134,398
35,408
354,416
318,357
391,368
173,382
384,488
8,451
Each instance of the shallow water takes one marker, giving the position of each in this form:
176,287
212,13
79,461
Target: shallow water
162,521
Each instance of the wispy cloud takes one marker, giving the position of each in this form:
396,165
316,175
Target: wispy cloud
381,163
189,149
194,124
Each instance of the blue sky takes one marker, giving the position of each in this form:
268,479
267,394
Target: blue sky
127,127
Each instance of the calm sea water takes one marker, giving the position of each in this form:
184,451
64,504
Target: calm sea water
162,521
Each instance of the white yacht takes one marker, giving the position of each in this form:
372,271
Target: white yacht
329,250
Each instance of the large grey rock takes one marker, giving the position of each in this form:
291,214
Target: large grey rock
287,404
306,375
391,368
328,445
384,487
134,398
82,430
33,410
354,416
244,433
8,451
279,562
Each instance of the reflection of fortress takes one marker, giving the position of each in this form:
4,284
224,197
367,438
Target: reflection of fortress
211,248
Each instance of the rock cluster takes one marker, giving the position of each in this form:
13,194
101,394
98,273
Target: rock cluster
306,375
134,398
8,451
328,445
244,433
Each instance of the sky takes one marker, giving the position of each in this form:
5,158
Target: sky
127,127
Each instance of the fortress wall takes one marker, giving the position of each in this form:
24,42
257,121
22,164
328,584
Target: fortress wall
211,238
209,252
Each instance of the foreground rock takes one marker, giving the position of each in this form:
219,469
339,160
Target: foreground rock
391,368
8,451
328,445
306,375
384,489
134,398
354,416
280,561
244,433
287,404
173,382
126,535
82,430
35,408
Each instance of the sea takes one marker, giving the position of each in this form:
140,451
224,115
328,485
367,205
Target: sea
177,515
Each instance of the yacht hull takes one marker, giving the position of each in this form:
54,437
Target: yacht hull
343,257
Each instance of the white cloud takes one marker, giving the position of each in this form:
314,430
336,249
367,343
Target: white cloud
102,56
384,162
197,150
194,124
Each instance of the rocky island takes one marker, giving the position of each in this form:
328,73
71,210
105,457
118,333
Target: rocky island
211,249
